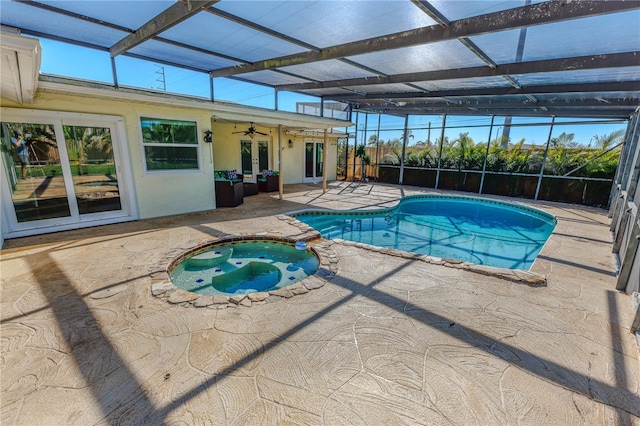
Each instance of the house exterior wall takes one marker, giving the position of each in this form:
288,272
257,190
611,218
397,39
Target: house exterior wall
226,145
159,193
164,193
294,157
226,150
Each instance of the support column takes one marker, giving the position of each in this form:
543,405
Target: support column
627,263
619,188
325,145
114,72
632,166
355,146
378,148
346,154
280,177
404,148
544,158
363,171
486,154
444,124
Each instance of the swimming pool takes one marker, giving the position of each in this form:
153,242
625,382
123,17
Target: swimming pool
470,229
243,267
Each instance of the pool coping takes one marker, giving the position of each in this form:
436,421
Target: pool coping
518,276
384,210
163,288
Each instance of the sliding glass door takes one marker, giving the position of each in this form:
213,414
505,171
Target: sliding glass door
35,178
61,171
93,168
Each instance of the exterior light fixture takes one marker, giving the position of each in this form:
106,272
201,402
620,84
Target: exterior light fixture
208,136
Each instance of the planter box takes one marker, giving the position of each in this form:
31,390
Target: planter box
389,174
459,181
590,193
510,185
417,177
471,182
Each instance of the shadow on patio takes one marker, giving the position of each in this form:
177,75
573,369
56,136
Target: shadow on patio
387,340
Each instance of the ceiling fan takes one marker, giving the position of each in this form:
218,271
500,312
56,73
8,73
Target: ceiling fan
251,131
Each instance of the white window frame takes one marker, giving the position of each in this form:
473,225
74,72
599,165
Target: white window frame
197,147
13,229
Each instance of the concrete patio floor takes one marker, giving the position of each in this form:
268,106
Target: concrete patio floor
386,341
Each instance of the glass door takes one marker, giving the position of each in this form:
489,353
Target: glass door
254,158
62,171
313,160
34,171
93,168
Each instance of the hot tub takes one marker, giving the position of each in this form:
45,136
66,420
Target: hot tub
243,267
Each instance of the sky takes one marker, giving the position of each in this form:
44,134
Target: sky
80,62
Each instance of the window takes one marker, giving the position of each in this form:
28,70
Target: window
170,144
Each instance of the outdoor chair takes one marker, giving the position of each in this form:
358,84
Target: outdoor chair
229,188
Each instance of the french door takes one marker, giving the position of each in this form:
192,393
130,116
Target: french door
74,175
313,160
254,158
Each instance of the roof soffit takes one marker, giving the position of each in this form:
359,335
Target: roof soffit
20,67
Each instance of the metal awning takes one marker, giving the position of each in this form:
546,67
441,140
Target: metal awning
526,57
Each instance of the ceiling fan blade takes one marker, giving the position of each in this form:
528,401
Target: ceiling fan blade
260,133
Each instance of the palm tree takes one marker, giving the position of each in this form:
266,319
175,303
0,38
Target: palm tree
465,144
409,135
88,143
605,141
564,140
365,160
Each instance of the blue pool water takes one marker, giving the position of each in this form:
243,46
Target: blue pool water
469,229
243,267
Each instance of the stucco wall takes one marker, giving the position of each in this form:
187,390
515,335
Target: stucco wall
226,150
176,192
226,145
294,157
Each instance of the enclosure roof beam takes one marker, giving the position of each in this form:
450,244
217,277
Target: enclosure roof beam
614,60
173,15
535,14
569,103
612,108
281,36
54,37
614,86
431,12
70,14
157,38
260,28
525,112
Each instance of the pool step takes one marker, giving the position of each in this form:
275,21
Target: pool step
257,276
209,258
